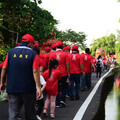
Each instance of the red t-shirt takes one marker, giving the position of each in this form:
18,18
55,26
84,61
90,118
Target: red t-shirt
94,61
41,56
1,64
35,62
104,61
87,60
46,60
75,61
41,62
62,58
52,81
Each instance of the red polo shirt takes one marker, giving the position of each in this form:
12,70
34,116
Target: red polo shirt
75,61
46,60
62,58
41,62
87,60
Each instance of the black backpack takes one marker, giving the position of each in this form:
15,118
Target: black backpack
98,63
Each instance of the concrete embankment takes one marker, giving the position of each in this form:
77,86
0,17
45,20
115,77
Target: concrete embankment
96,109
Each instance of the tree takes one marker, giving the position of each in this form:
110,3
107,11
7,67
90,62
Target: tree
72,37
105,42
24,16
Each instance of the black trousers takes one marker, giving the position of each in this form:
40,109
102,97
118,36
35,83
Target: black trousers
17,101
39,106
98,71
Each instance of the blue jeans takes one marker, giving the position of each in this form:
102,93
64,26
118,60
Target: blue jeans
88,80
62,85
17,100
75,78
83,82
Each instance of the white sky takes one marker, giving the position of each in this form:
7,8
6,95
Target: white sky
96,18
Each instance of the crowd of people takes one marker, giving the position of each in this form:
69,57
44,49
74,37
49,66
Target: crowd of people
36,80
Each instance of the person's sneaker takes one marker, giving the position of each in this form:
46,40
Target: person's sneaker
45,112
72,98
77,97
63,103
19,118
38,117
67,96
82,89
52,115
57,106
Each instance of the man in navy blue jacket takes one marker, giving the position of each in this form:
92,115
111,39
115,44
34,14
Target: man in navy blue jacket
22,69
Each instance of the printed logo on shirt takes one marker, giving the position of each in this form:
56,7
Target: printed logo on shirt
85,57
74,57
14,56
20,56
58,56
51,76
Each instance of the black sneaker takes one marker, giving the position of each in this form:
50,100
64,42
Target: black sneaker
82,89
72,98
77,97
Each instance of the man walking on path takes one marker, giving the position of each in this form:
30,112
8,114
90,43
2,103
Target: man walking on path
22,68
76,68
88,65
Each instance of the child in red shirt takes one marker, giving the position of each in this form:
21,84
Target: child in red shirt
51,76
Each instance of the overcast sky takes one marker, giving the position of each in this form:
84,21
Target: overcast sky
96,18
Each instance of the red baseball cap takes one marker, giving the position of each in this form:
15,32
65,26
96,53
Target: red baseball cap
59,44
53,46
67,47
17,44
28,38
64,48
47,48
36,45
74,47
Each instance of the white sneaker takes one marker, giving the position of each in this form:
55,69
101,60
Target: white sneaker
38,117
57,106
63,103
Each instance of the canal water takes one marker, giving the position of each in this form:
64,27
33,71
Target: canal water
112,104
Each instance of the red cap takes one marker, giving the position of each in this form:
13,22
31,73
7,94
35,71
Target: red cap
28,38
74,47
67,47
47,48
64,49
36,45
59,44
17,44
53,46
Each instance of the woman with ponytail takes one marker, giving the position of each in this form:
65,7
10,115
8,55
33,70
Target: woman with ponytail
52,75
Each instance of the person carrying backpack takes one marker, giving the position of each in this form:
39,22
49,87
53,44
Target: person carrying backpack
99,65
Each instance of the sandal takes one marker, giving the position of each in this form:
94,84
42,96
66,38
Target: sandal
52,115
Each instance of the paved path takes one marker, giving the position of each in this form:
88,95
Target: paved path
67,113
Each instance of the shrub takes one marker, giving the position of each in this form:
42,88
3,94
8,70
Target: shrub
3,52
